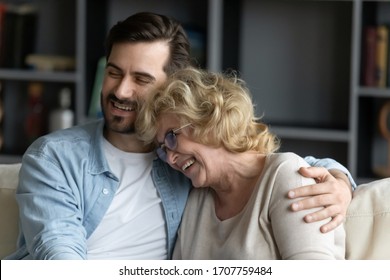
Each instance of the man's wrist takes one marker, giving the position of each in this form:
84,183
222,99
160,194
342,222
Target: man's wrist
339,175
331,164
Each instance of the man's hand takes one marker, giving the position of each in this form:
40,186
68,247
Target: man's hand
333,192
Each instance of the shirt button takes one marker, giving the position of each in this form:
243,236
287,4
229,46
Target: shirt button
105,191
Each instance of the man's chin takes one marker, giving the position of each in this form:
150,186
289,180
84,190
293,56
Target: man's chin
120,126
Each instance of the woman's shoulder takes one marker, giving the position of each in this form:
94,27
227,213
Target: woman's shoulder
282,171
285,166
199,196
286,158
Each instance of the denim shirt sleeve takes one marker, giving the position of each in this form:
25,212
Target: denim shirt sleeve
329,163
49,209
63,193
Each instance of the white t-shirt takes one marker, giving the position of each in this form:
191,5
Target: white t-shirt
134,225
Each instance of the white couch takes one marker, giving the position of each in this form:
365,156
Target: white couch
8,208
367,224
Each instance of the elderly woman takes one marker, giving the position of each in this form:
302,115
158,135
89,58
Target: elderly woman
205,127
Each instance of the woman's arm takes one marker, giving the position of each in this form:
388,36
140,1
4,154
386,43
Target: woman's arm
332,190
295,238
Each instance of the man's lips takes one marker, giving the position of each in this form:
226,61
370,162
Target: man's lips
125,106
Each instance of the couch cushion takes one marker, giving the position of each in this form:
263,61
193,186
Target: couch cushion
8,208
367,223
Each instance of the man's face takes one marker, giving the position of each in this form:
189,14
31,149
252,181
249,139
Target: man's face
132,71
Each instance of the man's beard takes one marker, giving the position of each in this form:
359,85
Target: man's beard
119,124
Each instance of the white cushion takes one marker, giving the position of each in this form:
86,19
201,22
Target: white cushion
367,223
8,208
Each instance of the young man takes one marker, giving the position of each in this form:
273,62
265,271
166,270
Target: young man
96,192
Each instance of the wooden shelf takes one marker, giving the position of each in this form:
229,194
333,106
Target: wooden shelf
301,60
44,76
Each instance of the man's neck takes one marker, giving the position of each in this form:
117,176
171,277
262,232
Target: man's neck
126,142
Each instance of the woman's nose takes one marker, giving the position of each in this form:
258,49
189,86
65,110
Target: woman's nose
171,156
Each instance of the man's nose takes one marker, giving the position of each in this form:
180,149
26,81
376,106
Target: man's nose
126,88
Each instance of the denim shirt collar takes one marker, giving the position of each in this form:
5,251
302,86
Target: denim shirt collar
98,162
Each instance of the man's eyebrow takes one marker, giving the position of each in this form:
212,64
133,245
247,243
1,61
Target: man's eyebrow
135,73
145,75
110,64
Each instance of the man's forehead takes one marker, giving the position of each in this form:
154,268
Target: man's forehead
141,57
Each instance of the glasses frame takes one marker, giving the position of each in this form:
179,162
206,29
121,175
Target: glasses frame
170,142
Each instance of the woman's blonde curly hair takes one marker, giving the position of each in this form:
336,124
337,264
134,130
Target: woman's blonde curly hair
219,107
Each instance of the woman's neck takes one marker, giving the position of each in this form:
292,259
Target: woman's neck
236,186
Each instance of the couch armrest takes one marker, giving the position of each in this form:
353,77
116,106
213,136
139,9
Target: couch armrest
9,213
367,222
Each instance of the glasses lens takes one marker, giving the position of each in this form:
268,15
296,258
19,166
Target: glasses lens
170,140
161,154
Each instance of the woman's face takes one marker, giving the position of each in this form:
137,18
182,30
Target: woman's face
193,159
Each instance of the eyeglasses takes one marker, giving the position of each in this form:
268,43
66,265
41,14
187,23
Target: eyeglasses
170,142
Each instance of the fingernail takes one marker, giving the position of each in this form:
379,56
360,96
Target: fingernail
291,194
295,206
309,218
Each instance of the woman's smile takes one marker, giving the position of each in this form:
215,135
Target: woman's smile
187,164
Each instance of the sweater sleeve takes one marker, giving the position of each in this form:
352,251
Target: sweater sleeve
295,238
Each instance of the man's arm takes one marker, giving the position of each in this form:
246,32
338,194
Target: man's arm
333,191
50,215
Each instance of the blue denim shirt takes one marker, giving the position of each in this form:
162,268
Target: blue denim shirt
329,163
65,188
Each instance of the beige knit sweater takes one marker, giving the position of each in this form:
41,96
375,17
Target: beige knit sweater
265,228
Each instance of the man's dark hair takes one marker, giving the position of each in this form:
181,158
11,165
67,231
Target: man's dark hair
151,27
